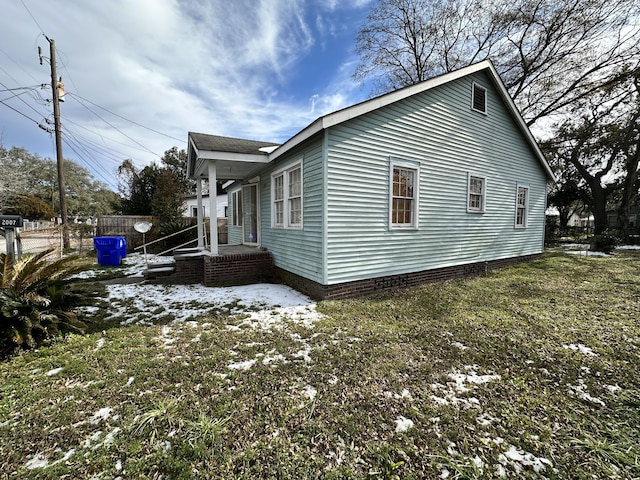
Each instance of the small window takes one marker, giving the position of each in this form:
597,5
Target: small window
404,197
236,199
522,205
479,100
476,194
286,198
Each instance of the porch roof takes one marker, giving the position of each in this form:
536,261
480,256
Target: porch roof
235,158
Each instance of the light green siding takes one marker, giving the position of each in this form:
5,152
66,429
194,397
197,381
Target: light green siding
297,251
438,130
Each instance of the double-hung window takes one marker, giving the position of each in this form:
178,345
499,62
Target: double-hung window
476,189
404,196
286,195
522,206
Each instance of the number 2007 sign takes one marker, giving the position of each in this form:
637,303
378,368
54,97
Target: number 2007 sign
10,221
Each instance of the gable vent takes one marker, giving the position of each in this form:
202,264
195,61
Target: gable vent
479,98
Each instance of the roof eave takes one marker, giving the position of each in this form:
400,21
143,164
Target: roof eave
367,106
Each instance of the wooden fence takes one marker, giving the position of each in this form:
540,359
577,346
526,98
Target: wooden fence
122,226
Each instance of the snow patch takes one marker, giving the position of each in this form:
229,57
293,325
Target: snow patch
403,424
580,391
99,344
519,459
242,365
309,392
100,415
37,461
580,348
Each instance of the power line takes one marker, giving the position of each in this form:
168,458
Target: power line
33,18
18,65
19,88
19,98
120,116
99,149
103,137
120,131
18,111
73,143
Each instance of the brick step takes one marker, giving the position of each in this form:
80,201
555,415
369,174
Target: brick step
160,270
188,251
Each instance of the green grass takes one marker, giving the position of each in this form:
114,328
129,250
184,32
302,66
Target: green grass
173,401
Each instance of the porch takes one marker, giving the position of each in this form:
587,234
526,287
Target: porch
233,265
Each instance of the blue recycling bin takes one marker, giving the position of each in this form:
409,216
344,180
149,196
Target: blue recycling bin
122,246
110,250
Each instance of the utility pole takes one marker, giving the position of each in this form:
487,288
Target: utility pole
59,159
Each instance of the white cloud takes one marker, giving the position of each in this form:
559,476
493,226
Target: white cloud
228,68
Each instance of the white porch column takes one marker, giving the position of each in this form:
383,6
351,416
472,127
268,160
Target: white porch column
213,208
200,216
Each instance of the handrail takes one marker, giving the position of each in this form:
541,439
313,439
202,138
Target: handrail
175,248
168,236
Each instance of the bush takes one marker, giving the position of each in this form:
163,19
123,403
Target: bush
36,302
605,242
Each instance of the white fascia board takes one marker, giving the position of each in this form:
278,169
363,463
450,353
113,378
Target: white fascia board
392,97
234,157
191,162
367,106
301,136
524,128
370,105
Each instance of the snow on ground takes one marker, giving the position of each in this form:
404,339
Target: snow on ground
580,348
584,249
265,305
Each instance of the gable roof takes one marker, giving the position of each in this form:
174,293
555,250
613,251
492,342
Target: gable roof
367,106
228,150
235,157
216,143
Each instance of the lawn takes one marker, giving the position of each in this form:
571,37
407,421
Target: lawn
528,372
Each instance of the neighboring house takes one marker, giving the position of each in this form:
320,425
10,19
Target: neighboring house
191,206
433,181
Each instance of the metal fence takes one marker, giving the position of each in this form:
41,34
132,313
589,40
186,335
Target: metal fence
35,240
37,236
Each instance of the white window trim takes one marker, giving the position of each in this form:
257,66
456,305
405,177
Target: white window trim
525,224
473,95
395,163
484,193
236,213
286,221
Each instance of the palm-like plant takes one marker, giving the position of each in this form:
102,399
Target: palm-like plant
35,301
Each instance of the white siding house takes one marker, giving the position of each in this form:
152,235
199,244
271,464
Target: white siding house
435,180
191,206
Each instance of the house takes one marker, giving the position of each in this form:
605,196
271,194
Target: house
437,180
191,203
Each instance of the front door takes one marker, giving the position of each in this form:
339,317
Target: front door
250,210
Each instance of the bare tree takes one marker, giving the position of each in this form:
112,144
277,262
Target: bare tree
549,53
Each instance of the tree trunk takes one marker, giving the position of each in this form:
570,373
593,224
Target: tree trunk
599,209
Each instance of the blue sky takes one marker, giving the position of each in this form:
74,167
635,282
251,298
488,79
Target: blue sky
140,74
